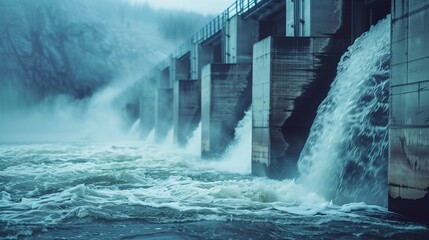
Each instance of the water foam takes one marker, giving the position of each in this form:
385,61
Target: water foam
194,143
44,186
345,157
168,142
151,136
238,156
134,131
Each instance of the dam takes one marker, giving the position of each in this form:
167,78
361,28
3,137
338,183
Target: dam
280,57
279,119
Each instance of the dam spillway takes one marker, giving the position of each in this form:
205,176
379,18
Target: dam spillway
292,48
278,120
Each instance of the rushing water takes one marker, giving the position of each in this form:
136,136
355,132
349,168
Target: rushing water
138,190
345,157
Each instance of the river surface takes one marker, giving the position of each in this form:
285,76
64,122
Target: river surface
137,190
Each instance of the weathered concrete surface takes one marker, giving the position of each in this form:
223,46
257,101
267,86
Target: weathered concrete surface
187,109
201,55
240,35
291,76
180,69
187,90
163,113
147,106
226,95
409,115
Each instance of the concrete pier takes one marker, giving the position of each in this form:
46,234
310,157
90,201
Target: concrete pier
226,95
147,106
163,113
409,115
187,109
281,57
239,37
163,103
291,76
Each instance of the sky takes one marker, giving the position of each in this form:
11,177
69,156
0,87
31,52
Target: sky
201,6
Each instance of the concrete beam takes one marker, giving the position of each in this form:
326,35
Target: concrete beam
226,95
409,115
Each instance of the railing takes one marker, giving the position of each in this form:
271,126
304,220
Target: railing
217,24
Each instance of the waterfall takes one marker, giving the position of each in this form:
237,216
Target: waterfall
345,156
194,144
134,130
151,136
238,156
169,140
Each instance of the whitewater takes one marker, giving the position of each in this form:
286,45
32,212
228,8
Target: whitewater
84,189
137,190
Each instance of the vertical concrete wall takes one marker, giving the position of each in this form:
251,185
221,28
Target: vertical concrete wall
240,35
163,113
282,69
187,91
314,18
225,93
163,105
147,106
180,69
187,109
409,109
291,76
201,55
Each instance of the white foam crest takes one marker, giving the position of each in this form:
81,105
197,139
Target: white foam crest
111,178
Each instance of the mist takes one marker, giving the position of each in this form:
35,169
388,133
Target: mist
66,63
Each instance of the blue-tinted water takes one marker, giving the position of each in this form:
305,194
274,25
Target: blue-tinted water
142,191
137,190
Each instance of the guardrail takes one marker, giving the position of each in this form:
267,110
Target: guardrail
217,24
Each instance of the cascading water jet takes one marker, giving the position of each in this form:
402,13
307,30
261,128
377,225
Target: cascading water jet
345,156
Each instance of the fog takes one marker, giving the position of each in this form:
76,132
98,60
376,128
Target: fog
64,64
204,7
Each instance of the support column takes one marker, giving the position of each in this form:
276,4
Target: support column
291,77
164,106
180,71
147,106
201,55
187,109
187,93
409,109
163,113
226,95
239,37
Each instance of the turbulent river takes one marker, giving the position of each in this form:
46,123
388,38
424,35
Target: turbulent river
138,190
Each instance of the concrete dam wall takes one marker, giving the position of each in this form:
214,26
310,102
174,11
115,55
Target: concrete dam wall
280,57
